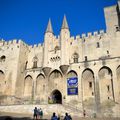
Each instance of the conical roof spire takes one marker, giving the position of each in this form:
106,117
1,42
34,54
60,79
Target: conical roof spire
49,27
64,24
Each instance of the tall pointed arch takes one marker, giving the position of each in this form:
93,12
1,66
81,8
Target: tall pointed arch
28,86
106,83
55,74
72,73
88,83
40,84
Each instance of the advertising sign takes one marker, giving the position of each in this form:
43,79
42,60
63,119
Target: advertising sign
72,86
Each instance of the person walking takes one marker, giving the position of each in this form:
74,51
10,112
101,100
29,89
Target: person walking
41,114
54,117
35,113
67,117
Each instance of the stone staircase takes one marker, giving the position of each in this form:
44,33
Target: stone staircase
48,109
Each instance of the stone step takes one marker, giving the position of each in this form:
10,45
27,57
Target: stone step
47,109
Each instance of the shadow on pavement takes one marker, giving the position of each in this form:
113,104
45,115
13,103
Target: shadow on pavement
16,118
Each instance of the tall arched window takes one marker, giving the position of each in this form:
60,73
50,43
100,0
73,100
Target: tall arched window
75,57
57,48
35,60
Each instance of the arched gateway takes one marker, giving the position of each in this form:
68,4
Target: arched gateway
56,97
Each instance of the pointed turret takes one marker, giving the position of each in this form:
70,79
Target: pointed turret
64,38
49,27
64,24
48,42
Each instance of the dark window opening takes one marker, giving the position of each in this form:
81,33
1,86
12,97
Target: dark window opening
108,88
75,57
90,84
35,60
107,52
117,29
35,64
75,60
85,58
26,65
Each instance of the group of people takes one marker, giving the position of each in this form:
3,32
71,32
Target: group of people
67,117
38,113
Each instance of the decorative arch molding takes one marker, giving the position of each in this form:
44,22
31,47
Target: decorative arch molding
28,76
72,73
89,69
106,83
40,75
55,73
106,67
118,67
1,71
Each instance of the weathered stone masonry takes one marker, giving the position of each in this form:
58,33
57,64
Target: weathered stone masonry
32,74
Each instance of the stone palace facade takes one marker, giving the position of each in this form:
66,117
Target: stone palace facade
40,74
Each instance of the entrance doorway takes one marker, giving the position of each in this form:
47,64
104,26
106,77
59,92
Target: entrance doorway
56,97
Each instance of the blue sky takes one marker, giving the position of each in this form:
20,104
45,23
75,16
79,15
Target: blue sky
27,19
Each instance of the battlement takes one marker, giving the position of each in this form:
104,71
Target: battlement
13,42
35,46
89,35
93,34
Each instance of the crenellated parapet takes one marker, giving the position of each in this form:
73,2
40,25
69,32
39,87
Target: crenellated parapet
89,35
13,42
35,46
93,34
19,42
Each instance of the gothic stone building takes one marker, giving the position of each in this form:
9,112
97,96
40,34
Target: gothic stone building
82,70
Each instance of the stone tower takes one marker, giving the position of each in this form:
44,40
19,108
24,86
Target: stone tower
112,18
64,38
48,42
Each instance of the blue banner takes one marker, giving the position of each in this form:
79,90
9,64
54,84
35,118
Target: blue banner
72,86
